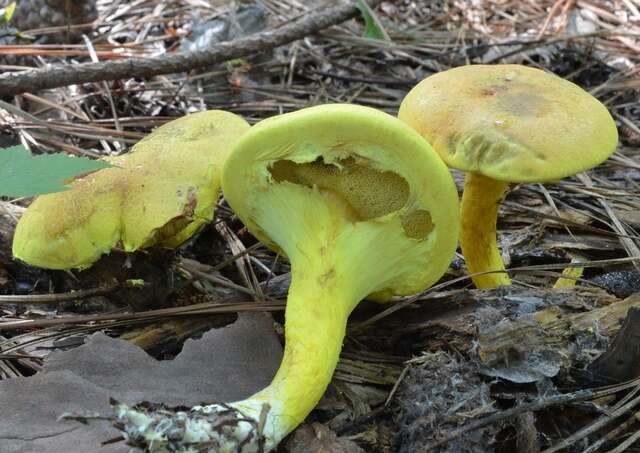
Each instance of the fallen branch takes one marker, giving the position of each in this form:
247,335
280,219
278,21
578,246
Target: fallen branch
58,76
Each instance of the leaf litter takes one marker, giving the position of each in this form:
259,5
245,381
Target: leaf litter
452,369
226,364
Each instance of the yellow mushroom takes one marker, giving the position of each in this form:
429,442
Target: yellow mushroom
159,193
361,206
505,124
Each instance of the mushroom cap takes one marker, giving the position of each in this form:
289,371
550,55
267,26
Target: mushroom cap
375,170
510,122
159,193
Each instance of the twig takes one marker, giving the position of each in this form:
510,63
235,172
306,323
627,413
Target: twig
555,400
608,437
58,76
56,298
593,427
627,443
191,310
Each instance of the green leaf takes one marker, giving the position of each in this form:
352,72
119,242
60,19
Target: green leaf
24,175
25,36
6,13
372,27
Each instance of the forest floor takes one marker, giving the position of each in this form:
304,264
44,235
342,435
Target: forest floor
524,368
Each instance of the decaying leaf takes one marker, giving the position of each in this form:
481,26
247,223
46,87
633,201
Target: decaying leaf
317,438
225,364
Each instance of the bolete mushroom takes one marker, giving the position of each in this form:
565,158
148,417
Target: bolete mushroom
159,193
361,206
505,124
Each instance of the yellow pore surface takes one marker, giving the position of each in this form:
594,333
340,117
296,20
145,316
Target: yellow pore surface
510,122
393,204
158,193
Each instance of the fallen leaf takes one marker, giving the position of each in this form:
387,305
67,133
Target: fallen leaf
24,175
224,365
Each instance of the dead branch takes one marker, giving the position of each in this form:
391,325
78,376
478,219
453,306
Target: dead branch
58,76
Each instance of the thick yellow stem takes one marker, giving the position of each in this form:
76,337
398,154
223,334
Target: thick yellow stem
315,325
480,203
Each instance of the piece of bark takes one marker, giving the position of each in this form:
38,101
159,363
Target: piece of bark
522,335
518,335
550,341
459,319
621,361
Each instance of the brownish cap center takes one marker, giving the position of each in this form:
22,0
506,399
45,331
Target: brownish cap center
510,122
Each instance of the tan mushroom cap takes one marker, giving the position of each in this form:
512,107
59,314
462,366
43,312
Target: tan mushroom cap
511,123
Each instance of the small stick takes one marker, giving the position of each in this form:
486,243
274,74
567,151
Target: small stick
59,297
555,400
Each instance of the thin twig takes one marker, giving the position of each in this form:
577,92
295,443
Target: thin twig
192,310
555,400
59,297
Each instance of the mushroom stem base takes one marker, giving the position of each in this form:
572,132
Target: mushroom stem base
479,213
318,306
215,427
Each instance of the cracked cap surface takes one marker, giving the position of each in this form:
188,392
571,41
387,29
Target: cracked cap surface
510,122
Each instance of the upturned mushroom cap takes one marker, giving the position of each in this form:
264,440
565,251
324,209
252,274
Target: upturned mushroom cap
378,173
511,123
159,193
361,205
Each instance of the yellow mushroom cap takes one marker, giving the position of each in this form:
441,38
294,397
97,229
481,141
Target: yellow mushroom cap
160,192
382,179
511,123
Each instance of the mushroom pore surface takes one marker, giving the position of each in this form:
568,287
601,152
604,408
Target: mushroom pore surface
367,192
